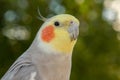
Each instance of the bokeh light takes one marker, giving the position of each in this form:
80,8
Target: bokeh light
16,33
56,7
10,16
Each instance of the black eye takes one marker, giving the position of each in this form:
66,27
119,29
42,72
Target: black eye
56,23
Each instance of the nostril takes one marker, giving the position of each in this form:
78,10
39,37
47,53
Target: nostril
71,22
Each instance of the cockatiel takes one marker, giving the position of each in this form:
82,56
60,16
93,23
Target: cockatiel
49,56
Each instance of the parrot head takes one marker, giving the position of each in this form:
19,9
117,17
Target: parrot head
59,33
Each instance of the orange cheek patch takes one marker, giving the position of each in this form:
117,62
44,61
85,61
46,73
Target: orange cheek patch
48,33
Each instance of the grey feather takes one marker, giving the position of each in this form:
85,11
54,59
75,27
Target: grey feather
21,70
47,66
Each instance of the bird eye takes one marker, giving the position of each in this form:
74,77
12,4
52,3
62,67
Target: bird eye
56,23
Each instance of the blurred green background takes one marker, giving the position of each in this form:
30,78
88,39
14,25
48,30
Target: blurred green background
97,53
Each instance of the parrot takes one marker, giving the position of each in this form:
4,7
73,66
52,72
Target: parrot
49,57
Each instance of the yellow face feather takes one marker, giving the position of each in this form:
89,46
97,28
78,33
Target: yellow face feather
61,41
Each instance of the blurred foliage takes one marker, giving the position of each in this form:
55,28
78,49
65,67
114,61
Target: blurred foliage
97,53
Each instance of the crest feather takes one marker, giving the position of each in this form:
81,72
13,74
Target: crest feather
40,17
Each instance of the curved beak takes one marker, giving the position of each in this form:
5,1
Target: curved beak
73,31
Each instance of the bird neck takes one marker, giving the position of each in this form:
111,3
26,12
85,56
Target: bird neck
53,66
